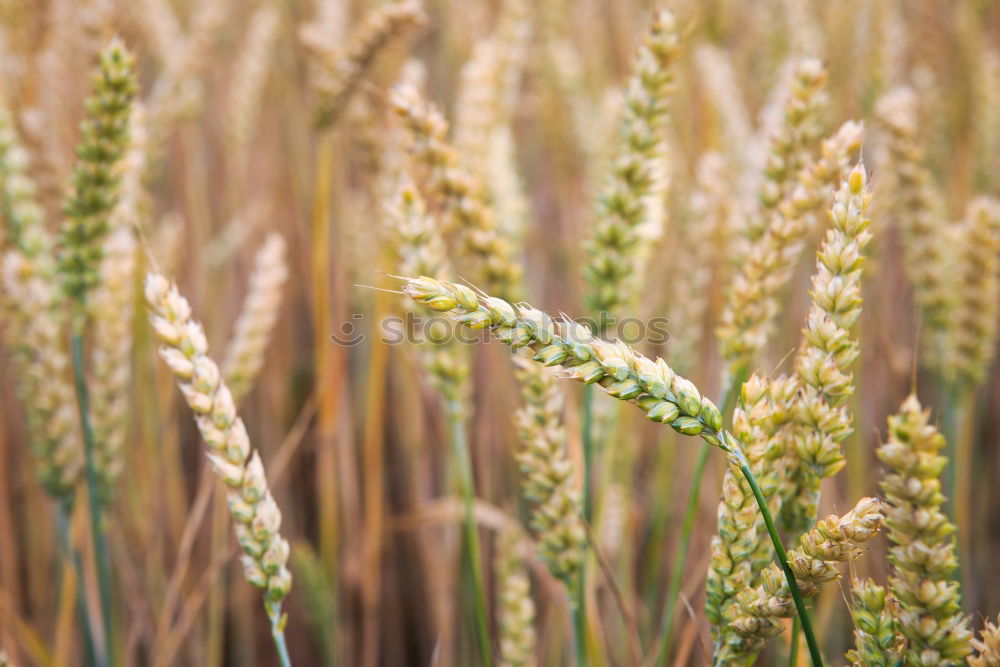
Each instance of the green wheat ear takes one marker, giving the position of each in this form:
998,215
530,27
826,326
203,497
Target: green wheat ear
96,177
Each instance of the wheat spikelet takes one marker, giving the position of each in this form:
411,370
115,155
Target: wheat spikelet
971,330
756,616
874,612
255,514
828,351
923,551
915,206
337,72
96,177
987,646
244,354
516,610
250,75
547,474
460,193
612,271
619,370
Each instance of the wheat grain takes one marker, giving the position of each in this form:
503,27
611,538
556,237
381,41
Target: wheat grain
516,609
612,272
255,514
337,72
874,613
923,551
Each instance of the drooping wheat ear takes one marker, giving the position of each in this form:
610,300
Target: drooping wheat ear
35,329
489,84
255,514
250,75
773,241
875,639
459,192
756,616
923,551
245,351
987,646
824,360
547,474
421,250
916,206
516,609
24,217
741,550
619,370
337,71
96,177
611,271
971,331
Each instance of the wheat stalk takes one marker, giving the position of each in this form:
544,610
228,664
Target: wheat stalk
338,71
923,551
244,355
255,514
618,233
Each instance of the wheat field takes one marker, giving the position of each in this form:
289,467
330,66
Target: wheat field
498,332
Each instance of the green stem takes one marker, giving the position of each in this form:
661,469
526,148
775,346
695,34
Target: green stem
96,525
772,530
278,632
579,624
727,401
473,565
62,529
793,646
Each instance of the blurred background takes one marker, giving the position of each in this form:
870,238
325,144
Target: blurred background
354,437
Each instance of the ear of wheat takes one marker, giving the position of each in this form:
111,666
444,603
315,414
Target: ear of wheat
459,192
987,646
337,72
96,177
516,609
614,241
250,75
548,475
244,354
874,612
828,351
833,540
923,555
255,513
